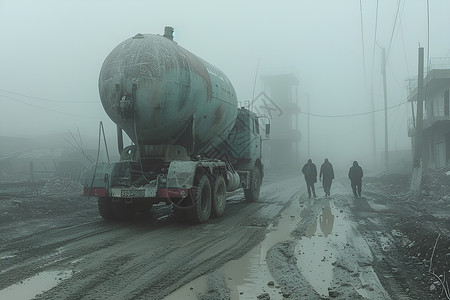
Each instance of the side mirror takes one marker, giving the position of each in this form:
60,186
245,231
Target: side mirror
267,129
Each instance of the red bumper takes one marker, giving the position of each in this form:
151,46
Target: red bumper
96,192
173,193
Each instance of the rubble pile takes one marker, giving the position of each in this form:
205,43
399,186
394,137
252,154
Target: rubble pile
392,184
419,223
61,186
436,183
424,225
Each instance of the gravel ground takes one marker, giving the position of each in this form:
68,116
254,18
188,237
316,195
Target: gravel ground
384,245
420,226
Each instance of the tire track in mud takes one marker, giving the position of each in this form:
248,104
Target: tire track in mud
259,221
153,275
227,280
41,250
216,256
139,261
36,253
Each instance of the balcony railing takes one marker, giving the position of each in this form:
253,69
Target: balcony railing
427,122
436,63
439,63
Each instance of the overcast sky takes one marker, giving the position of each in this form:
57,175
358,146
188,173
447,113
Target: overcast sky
52,52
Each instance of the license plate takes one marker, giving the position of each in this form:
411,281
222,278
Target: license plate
132,193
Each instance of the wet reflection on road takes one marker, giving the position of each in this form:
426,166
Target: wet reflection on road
326,220
249,276
316,252
30,287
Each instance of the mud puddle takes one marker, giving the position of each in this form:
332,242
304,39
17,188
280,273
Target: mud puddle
249,276
39,283
335,258
317,251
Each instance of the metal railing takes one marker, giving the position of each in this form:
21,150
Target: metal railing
435,63
427,122
439,63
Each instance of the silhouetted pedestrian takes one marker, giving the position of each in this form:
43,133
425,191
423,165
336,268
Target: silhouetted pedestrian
326,175
356,174
310,171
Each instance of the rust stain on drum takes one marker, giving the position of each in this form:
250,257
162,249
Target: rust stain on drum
199,68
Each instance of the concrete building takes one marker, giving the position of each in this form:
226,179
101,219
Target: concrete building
436,123
280,102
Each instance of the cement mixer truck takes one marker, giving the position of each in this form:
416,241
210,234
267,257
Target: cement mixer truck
190,142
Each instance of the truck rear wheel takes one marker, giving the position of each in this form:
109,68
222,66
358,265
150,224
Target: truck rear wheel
105,208
252,193
219,197
200,211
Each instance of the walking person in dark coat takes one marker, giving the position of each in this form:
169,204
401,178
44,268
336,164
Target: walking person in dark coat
355,174
310,171
326,175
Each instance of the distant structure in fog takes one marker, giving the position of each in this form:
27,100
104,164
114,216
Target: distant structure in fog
280,102
436,120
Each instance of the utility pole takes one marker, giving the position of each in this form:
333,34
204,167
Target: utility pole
383,71
416,179
374,143
297,115
309,131
419,119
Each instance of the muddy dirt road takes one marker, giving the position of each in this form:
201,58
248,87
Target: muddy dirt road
284,246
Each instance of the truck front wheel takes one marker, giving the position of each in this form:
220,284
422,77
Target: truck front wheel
200,211
219,197
252,193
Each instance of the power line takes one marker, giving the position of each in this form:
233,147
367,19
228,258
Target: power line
362,40
372,104
374,42
397,119
43,99
393,75
404,47
47,109
428,49
403,38
428,34
352,115
393,29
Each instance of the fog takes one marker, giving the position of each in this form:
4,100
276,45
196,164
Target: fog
52,52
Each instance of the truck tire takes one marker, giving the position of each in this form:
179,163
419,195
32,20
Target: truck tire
252,193
200,211
105,208
219,197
